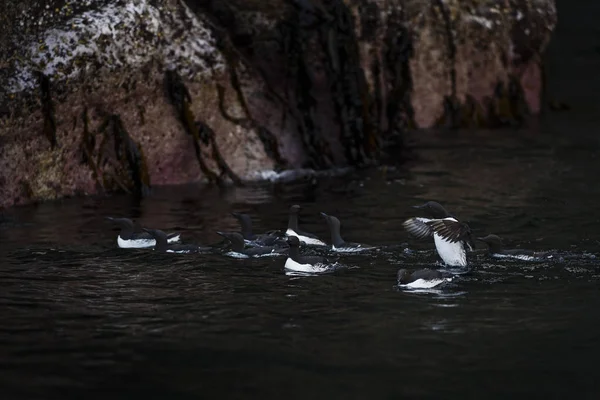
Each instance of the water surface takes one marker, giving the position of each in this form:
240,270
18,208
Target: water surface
80,317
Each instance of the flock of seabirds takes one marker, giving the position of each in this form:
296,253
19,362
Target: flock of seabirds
451,237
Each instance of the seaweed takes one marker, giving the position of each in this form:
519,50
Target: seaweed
349,88
49,129
267,138
295,34
181,100
130,165
399,51
445,13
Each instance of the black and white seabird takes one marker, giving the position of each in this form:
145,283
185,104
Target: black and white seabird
267,239
238,250
422,278
132,236
450,236
337,243
308,264
164,247
496,249
292,229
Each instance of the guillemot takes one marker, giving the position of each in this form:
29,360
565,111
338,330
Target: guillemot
450,236
310,264
133,237
496,249
337,243
292,229
238,250
422,278
267,239
164,247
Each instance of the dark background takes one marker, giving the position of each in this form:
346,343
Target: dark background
573,59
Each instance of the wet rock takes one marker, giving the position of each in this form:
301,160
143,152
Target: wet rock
122,95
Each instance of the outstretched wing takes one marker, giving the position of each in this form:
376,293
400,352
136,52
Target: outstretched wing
451,230
418,227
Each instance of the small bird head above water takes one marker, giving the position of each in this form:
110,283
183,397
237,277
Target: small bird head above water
434,209
122,222
490,239
235,238
293,241
240,216
402,276
494,242
295,209
331,220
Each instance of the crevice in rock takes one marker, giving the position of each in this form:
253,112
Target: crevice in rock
129,165
267,138
298,73
399,50
348,84
49,129
451,116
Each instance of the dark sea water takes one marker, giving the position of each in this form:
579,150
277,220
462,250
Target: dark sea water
81,318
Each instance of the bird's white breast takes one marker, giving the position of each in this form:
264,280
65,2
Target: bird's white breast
453,254
135,243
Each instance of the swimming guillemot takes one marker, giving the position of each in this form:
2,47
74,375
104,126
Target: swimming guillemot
450,236
309,264
164,247
268,239
292,229
238,250
337,243
422,278
133,237
496,249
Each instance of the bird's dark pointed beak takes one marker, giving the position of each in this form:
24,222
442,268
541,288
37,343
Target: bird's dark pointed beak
324,215
480,239
222,234
419,207
110,218
147,230
235,214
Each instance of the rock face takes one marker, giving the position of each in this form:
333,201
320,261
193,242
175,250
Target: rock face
121,95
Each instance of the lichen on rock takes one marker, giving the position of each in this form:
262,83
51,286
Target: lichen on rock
263,85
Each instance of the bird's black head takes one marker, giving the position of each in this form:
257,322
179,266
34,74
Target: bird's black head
490,239
293,241
235,238
402,276
494,242
433,209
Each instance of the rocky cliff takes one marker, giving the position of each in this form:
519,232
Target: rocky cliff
101,95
